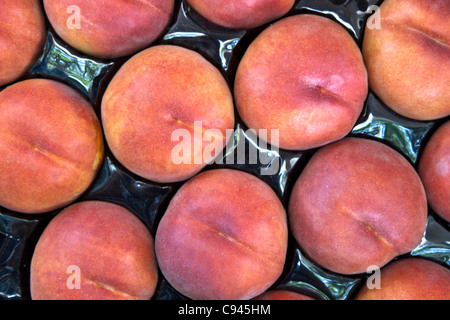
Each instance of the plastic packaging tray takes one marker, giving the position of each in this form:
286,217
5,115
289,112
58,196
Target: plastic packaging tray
148,200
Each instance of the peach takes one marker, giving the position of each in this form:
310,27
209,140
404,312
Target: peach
51,144
238,14
410,279
434,170
282,295
223,236
356,204
304,76
408,57
94,250
22,37
109,29
164,111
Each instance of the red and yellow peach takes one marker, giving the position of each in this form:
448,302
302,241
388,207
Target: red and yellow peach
94,250
282,295
51,143
109,29
238,14
223,236
410,279
304,76
22,37
161,91
356,204
408,57
434,170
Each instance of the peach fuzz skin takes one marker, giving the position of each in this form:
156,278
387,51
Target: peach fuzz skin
434,170
156,92
22,37
282,295
112,248
109,29
408,58
238,14
356,204
223,236
410,279
51,144
305,76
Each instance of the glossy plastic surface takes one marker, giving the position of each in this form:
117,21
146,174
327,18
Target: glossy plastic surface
148,200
